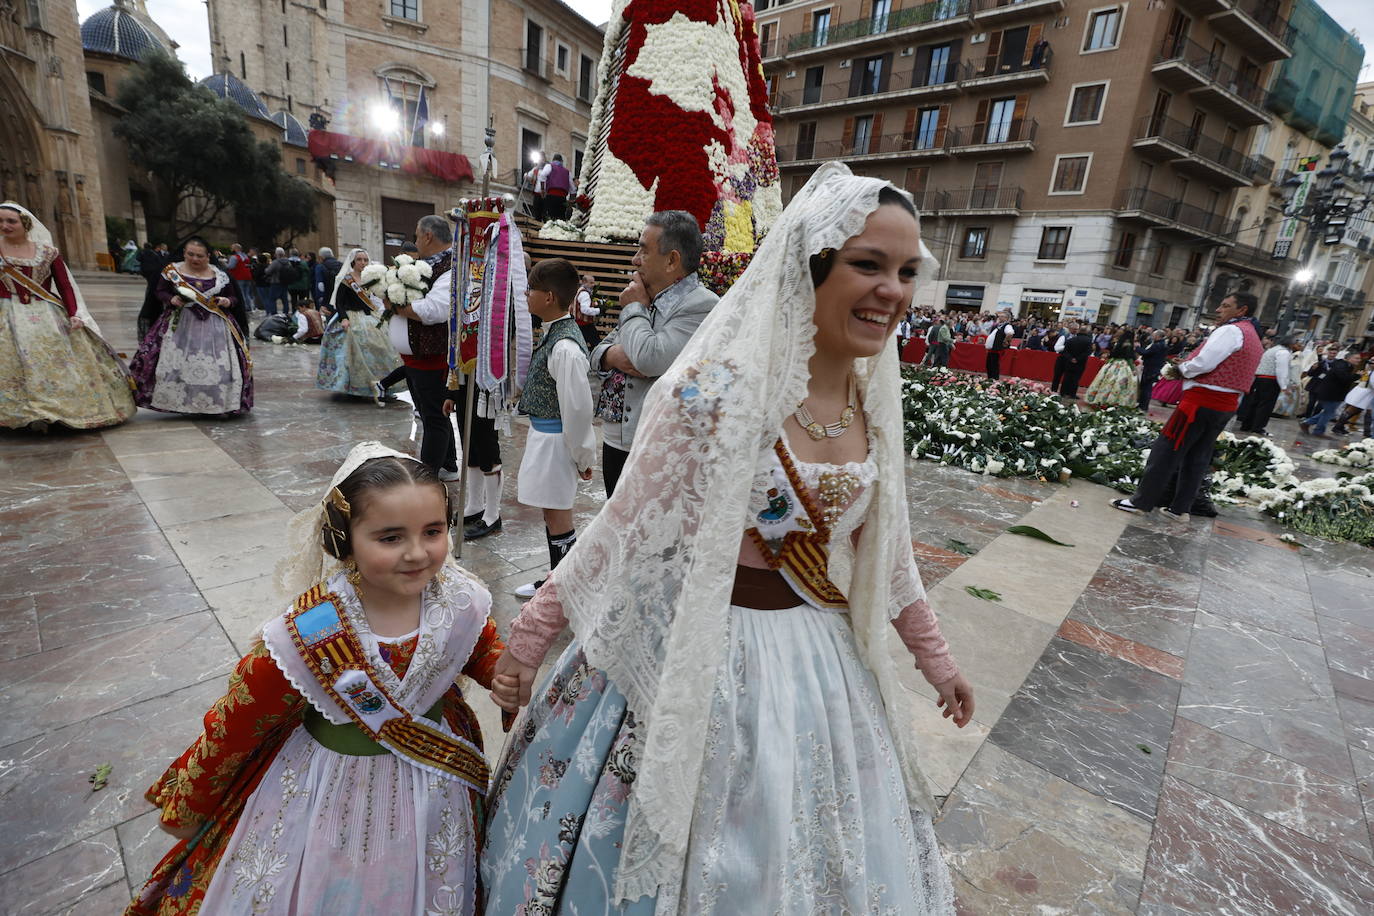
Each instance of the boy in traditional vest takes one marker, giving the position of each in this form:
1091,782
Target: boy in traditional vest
561,446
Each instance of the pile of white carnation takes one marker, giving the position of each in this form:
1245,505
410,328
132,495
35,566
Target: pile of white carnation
405,281
1355,455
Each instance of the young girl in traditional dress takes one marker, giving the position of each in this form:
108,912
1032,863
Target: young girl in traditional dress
356,352
342,772
1115,383
729,731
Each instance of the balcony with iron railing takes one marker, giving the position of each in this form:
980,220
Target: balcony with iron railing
848,93
1144,205
1013,135
1196,153
917,144
1257,260
1185,65
1257,26
929,19
983,201
995,71
990,12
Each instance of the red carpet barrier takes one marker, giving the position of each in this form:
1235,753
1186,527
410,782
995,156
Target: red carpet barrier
1036,365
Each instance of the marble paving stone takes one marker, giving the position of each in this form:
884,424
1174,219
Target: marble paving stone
1181,555
48,799
96,566
1355,698
18,627
1197,529
170,512
59,442
1245,558
1343,560
52,689
104,902
44,520
1343,598
142,844
944,749
205,457
1268,535
1084,717
995,647
134,599
1266,690
935,562
1124,649
1210,856
1349,648
1318,806
60,878
56,474
1025,841
1141,602
221,484
1259,602
243,607
1364,783
485,565
220,551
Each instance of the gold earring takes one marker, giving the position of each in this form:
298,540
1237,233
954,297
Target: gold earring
352,573
826,253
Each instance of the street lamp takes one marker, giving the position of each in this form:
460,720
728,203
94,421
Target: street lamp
1326,208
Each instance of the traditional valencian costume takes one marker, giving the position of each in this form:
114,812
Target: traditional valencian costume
1115,383
342,772
194,359
353,359
50,373
723,567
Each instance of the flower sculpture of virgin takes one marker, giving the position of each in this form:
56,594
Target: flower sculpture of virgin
682,122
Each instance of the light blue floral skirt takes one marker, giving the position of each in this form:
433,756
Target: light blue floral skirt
352,359
801,808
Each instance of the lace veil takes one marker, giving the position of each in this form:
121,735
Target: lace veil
647,587
344,272
40,235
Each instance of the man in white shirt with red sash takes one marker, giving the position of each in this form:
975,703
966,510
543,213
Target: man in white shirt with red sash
1216,375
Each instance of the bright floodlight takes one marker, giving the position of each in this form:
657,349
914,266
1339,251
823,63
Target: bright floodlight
436,128
536,157
1304,275
385,118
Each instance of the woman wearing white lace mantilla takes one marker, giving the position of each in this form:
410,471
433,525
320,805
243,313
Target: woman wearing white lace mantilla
54,365
757,552
355,352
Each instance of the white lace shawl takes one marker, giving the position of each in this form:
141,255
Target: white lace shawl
647,587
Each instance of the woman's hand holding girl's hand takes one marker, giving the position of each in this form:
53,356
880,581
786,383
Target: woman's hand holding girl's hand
75,323
344,322
178,301
956,696
512,682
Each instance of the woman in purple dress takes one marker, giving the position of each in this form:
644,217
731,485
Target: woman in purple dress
195,359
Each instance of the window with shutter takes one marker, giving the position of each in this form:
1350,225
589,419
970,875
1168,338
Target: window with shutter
1103,29
1085,104
1125,250
975,243
1070,174
1054,243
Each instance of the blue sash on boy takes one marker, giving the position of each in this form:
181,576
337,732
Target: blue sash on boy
354,711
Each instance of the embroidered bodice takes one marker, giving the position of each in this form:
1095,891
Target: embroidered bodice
47,269
823,503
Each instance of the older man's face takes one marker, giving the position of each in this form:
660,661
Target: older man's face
659,270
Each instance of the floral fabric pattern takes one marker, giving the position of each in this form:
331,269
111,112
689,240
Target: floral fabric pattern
49,372
353,358
1113,386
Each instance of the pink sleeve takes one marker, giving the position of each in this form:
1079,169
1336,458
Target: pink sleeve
536,626
63,282
920,633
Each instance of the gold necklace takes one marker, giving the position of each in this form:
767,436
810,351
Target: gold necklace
818,431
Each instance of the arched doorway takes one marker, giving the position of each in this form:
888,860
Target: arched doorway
24,160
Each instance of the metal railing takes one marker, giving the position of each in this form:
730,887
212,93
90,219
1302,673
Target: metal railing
1174,210
983,199
936,11
995,65
1255,258
1211,67
1183,135
842,90
995,132
1266,15
982,6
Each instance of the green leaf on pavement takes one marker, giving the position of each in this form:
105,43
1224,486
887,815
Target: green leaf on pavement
959,546
101,777
986,594
1032,532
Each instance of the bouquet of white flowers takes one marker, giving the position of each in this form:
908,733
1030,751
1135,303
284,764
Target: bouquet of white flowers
405,281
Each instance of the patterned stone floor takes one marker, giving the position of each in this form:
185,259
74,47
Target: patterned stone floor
1172,718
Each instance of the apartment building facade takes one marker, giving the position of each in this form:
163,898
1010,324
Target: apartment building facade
1071,157
447,70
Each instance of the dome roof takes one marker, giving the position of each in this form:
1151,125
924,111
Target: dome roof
295,131
229,86
114,30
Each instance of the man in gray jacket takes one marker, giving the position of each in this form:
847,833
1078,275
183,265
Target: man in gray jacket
660,309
